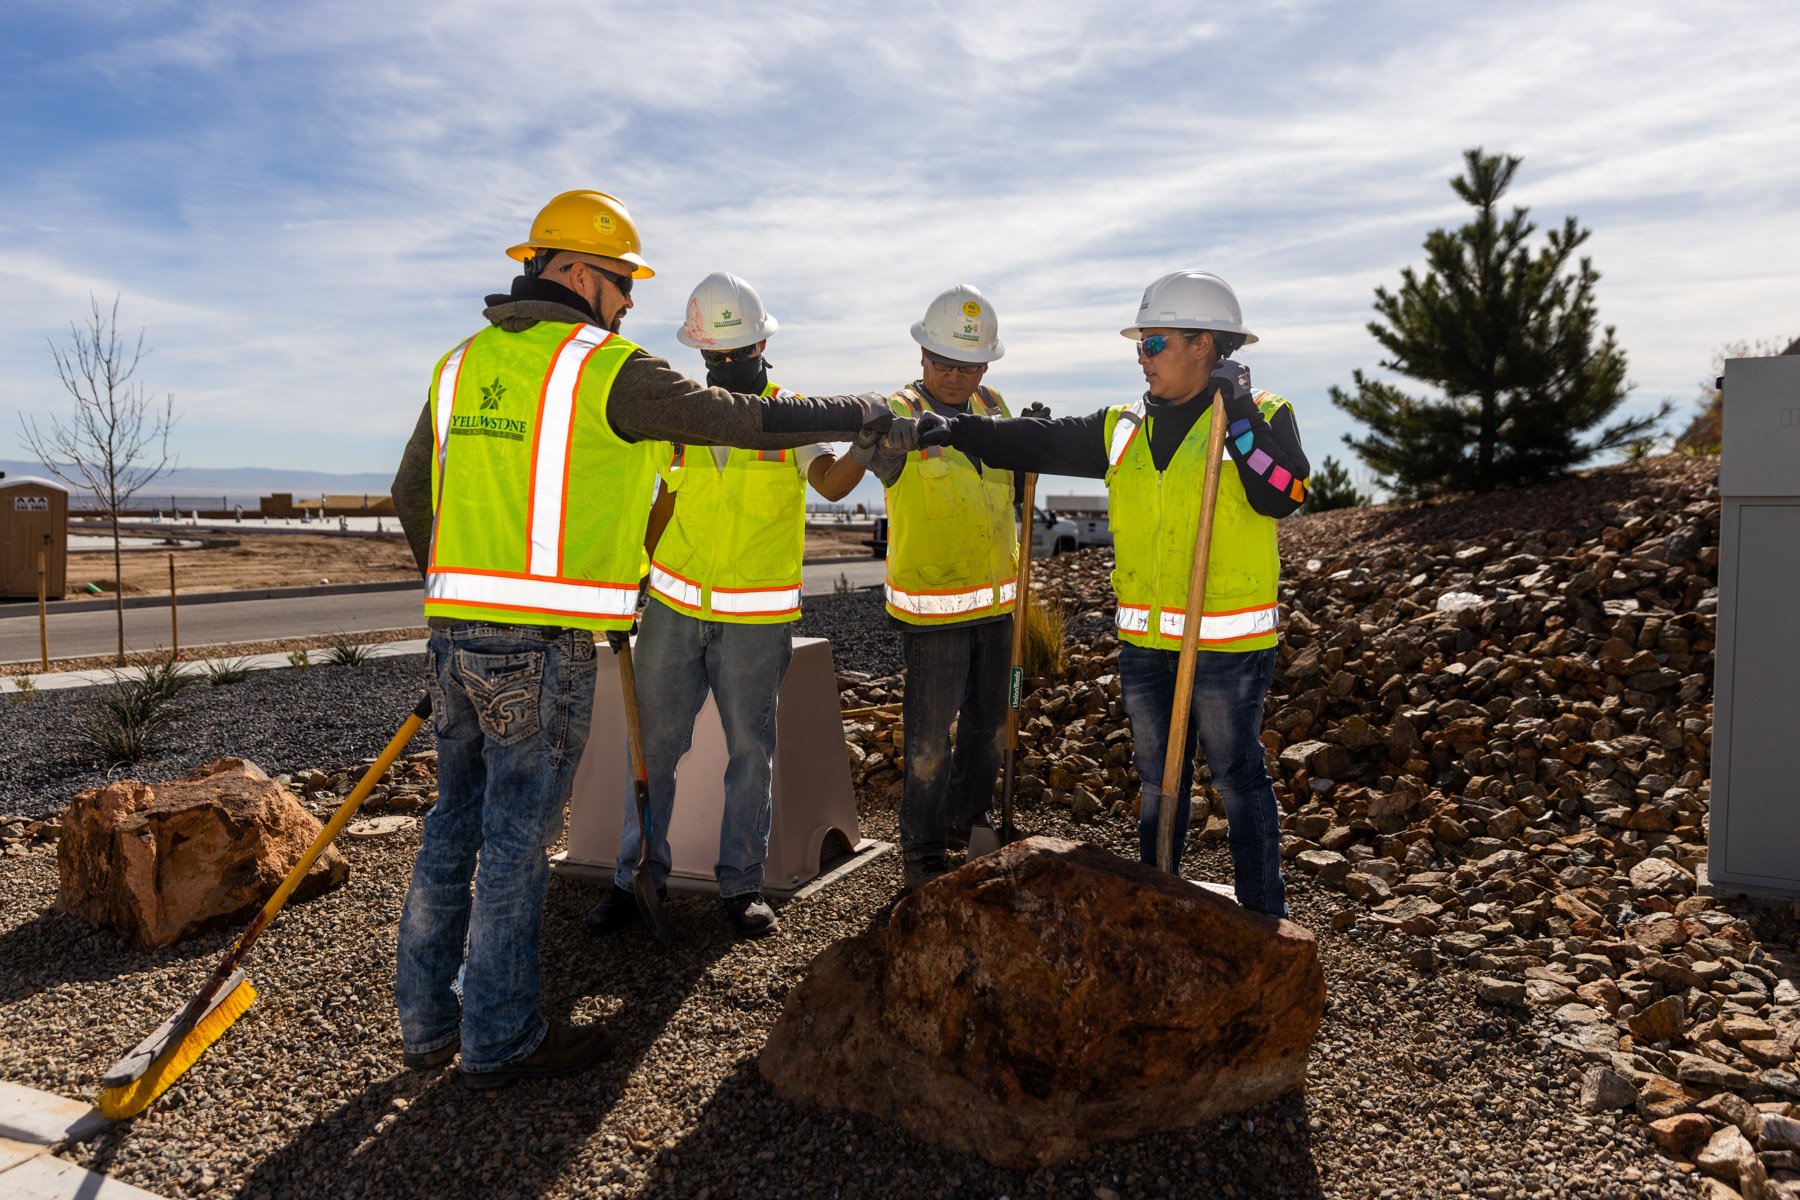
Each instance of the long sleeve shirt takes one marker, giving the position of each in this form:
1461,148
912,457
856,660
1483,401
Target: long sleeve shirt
1262,450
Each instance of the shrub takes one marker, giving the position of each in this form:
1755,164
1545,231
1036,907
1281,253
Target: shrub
133,714
224,671
1044,639
343,652
300,660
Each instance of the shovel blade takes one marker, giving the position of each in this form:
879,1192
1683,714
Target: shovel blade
650,909
982,840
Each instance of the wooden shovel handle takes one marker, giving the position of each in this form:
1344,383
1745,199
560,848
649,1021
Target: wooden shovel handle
1174,759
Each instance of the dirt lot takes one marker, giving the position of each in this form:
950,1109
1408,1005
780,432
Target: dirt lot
265,560
259,560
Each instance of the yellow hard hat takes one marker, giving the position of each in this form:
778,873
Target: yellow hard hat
588,222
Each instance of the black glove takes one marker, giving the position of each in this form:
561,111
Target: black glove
1231,379
933,430
1038,412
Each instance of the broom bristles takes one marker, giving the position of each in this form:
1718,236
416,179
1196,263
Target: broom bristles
128,1100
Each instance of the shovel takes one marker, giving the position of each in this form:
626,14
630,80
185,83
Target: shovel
643,888
981,838
1174,759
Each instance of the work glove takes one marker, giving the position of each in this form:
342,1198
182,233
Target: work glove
902,439
933,430
1233,379
875,428
1037,412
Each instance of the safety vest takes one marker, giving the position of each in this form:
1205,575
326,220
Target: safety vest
733,546
539,508
953,550
1154,517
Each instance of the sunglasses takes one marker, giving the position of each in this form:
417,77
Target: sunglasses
741,354
950,364
621,282
1156,343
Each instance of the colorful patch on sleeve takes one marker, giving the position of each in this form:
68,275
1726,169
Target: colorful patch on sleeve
1245,441
1279,477
1259,462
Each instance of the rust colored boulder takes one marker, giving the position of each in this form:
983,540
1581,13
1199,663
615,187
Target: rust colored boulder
1047,997
162,861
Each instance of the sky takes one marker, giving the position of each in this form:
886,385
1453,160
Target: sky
303,204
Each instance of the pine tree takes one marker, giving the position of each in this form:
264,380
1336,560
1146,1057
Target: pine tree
1330,487
1507,335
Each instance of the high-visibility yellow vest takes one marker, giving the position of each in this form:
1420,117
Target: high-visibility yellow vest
733,546
1155,516
953,549
539,508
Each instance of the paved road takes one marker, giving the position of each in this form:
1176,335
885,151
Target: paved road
80,634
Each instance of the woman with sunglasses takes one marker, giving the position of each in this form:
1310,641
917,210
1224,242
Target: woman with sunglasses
1152,455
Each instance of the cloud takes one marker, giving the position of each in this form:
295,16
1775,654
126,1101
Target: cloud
305,203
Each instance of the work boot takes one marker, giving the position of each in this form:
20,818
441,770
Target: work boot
751,915
916,873
429,1060
617,911
566,1048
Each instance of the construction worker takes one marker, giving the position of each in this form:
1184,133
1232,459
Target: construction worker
1152,455
952,571
727,535
525,492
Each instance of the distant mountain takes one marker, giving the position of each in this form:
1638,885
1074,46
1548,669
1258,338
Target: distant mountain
237,480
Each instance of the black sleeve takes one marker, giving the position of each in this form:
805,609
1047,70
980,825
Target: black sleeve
650,399
1067,446
411,490
1270,462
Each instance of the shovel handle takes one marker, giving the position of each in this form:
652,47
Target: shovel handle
1175,757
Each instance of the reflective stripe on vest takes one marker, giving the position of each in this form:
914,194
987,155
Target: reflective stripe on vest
446,585
447,376
1130,422
1214,627
550,462
950,604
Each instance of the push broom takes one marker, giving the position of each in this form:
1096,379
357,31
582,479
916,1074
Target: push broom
130,1084
1176,756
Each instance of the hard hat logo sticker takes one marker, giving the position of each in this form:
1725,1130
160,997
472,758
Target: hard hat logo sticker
971,309
603,222
727,320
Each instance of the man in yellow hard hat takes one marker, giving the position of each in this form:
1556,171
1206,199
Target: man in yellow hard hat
1152,455
728,533
525,493
952,571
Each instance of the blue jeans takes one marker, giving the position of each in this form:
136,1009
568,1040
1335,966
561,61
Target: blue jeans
956,674
681,658
511,706
1229,690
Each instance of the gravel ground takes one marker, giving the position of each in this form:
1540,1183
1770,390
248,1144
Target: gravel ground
1415,1089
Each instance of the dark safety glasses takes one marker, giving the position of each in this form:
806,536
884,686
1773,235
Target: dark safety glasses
713,358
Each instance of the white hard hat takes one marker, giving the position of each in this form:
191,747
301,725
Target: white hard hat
1189,300
724,313
961,324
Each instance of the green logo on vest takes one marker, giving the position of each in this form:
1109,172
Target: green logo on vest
509,428
492,394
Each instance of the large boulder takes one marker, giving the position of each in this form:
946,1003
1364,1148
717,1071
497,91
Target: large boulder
1049,996
161,861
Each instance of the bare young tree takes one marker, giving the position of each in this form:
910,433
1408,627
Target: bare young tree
117,439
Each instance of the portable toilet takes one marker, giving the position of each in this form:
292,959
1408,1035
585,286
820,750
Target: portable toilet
34,519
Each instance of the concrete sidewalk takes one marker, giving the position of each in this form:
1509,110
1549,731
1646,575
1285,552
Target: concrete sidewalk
32,1125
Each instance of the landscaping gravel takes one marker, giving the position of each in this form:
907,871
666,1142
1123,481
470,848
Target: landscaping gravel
1415,1090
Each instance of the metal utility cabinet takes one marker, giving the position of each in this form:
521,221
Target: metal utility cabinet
34,519
1754,842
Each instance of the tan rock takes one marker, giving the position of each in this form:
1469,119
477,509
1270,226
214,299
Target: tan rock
1727,1155
1049,996
1682,1133
163,861
1660,1022
1659,1097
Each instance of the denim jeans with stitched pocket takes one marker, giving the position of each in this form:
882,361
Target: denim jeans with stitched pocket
1225,720
742,665
511,706
956,673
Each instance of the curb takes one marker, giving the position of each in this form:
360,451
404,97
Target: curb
273,661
